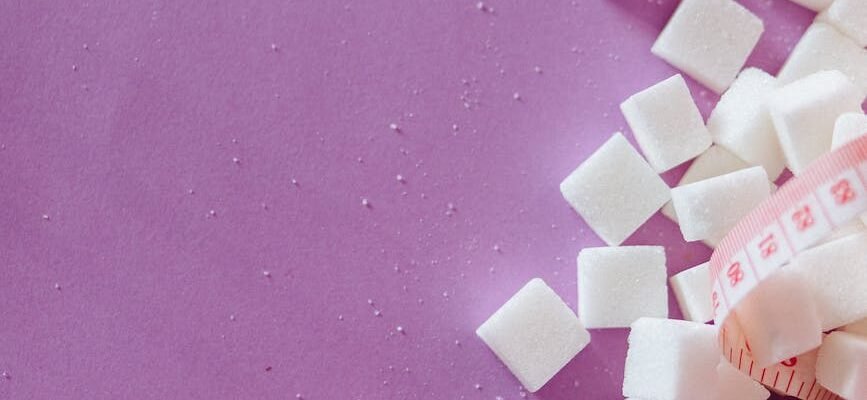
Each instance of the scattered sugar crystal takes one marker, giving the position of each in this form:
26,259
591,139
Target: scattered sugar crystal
837,272
847,128
535,334
708,209
692,289
842,365
615,190
666,123
824,48
618,285
709,40
815,5
670,359
804,113
742,124
850,17
734,385
766,316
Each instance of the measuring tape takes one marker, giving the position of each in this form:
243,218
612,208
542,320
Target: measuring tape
807,209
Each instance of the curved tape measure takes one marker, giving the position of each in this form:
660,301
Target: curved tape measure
807,209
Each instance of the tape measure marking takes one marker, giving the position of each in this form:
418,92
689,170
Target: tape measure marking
807,209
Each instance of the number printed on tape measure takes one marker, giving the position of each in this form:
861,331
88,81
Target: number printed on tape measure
806,223
740,277
769,250
844,197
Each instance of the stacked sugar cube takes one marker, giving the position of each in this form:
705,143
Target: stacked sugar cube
761,126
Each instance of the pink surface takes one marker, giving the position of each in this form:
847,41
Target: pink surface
119,123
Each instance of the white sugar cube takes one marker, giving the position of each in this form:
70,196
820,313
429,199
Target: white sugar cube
766,316
742,124
848,127
850,17
710,40
709,209
735,385
667,125
615,190
715,161
857,327
617,285
842,365
693,292
535,334
824,48
670,359
815,5
837,272
804,113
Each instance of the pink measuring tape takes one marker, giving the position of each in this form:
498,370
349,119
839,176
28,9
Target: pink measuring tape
807,209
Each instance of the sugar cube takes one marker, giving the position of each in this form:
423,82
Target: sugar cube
850,17
667,125
804,113
715,161
617,285
848,127
857,327
766,316
815,5
708,209
735,385
615,190
670,359
535,334
824,48
837,272
709,40
693,292
742,124
842,365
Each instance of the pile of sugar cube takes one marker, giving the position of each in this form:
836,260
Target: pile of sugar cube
761,126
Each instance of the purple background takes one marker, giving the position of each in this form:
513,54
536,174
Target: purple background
112,112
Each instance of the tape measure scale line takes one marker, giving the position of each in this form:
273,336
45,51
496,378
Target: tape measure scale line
807,209
832,192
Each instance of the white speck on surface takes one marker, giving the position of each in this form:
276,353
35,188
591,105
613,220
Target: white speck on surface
457,342
400,178
74,67
393,126
45,217
481,6
56,286
446,294
370,301
6,375
294,182
340,317
85,46
365,202
516,96
477,386
537,69
212,213
377,313
236,160
191,191
266,273
400,330
497,248
274,47
298,396
232,317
